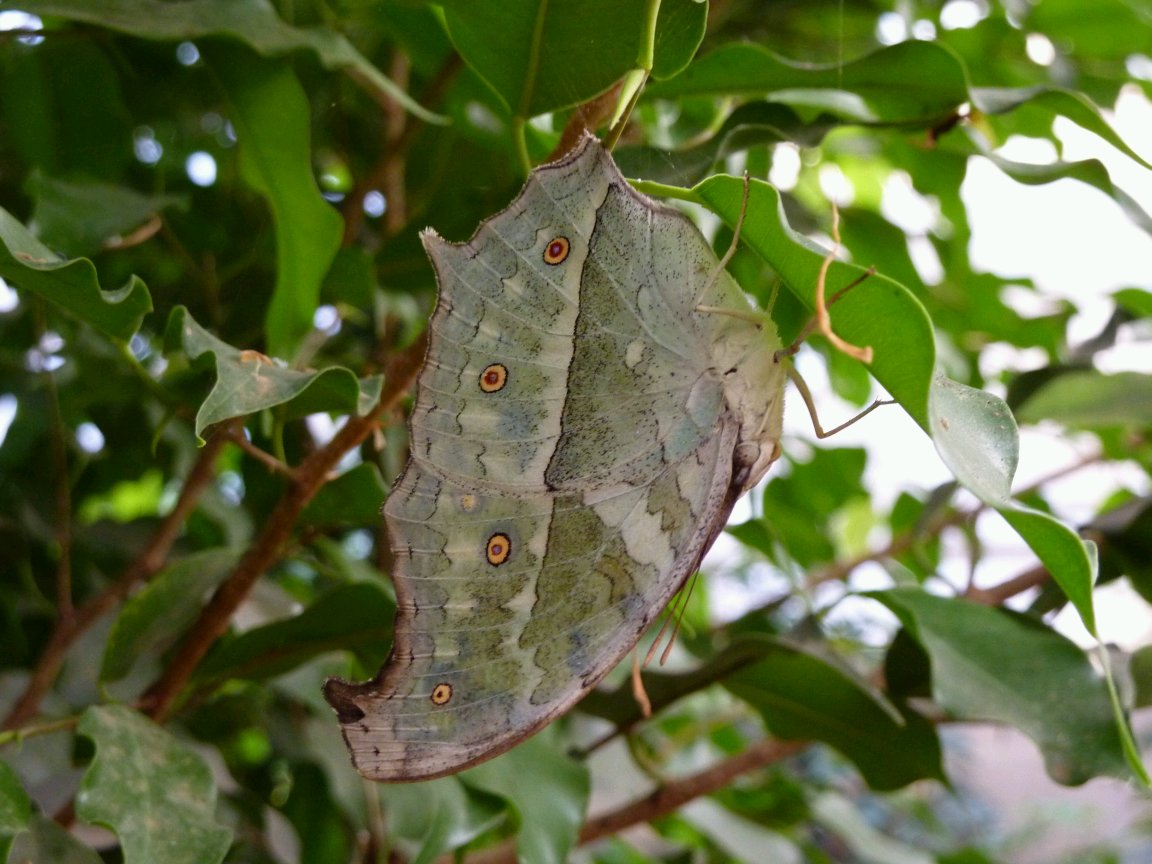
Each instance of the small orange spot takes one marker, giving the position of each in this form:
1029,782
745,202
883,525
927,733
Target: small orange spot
441,693
556,250
499,548
494,377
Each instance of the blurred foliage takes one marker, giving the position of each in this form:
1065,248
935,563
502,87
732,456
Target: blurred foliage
209,226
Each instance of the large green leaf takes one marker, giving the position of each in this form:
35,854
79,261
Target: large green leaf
548,791
71,285
356,617
990,664
248,381
155,793
552,55
155,617
15,809
912,82
879,313
254,22
803,697
273,125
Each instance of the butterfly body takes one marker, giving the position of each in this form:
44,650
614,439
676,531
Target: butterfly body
581,430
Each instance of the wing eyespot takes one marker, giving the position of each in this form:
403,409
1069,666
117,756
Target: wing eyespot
557,251
494,377
497,550
441,693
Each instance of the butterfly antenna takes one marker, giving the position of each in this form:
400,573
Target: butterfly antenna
638,691
679,618
659,636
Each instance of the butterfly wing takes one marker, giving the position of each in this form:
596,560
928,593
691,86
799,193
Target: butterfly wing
575,449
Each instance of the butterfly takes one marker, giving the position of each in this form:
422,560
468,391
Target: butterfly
596,396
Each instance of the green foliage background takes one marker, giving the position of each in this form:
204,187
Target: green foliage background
208,381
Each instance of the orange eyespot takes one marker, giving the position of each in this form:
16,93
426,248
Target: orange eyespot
493,378
556,250
441,693
498,549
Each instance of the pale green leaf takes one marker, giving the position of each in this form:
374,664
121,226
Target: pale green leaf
248,381
151,789
976,436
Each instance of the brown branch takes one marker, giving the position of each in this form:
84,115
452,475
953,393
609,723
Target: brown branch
151,558
388,172
1018,584
160,699
664,800
236,436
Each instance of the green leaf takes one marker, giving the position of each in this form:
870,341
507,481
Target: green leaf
549,55
83,217
1070,560
273,125
356,617
254,22
976,436
913,82
155,793
248,381
71,285
353,498
879,312
679,32
802,697
155,617
990,664
15,808
1066,103
1089,399
548,790
439,815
